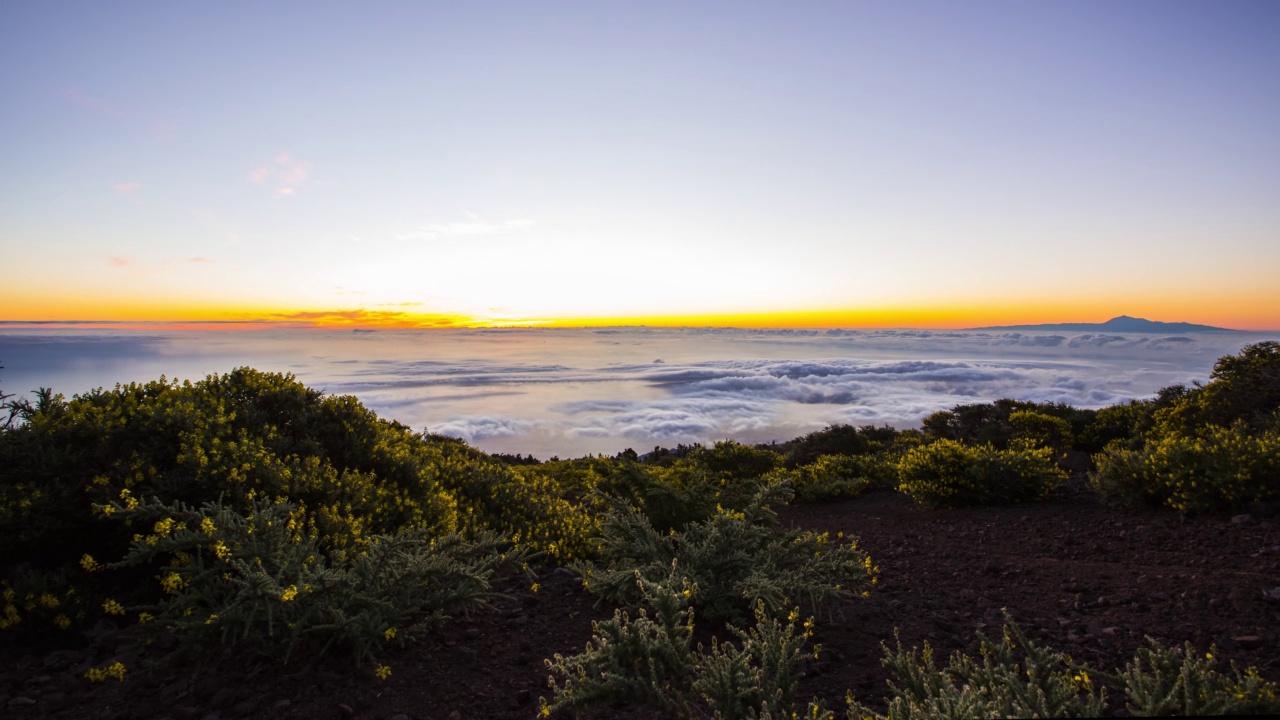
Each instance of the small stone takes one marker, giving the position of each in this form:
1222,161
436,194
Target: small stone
564,572
455,715
245,708
1244,519
520,621
1272,594
1160,596
282,704
346,711
215,715
472,632
21,701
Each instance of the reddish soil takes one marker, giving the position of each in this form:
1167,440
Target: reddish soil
1076,576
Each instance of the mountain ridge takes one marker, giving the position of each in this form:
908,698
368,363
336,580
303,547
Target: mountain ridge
1121,323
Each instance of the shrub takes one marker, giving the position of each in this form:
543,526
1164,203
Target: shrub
735,559
257,580
1173,681
1219,468
948,474
1015,679
650,661
835,476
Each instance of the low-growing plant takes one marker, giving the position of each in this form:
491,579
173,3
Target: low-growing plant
736,560
650,660
256,580
947,473
1015,678
1178,681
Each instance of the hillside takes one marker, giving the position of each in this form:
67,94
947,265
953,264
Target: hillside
245,545
1075,575
1123,323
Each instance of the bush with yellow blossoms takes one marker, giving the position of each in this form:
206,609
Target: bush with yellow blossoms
254,580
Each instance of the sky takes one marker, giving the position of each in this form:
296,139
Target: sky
813,164
569,392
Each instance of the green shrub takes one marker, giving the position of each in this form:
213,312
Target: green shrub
1170,681
1015,679
735,559
650,661
257,580
835,476
947,473
1218,468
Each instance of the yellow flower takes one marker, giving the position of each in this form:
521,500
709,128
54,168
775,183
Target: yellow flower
62,621
172,583
221,550
88,563
289,593
213,618
207,526
534,587
111,607
114,670
389,634
48,600
145,617
164,526
382,671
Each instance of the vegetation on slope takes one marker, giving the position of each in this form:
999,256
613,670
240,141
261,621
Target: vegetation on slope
249,511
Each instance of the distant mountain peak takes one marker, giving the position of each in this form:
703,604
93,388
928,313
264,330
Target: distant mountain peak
1120,323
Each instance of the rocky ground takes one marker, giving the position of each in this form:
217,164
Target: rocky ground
1076,576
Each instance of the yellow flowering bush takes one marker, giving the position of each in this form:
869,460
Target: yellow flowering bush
947,473
275,591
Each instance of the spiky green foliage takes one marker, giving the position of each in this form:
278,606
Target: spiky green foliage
258,580
735,559
1162,681
649,660
1014,679
947,473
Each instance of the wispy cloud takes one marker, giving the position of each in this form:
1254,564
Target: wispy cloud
120,261
126,189
284,174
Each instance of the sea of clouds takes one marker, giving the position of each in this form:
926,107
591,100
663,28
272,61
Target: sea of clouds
570,392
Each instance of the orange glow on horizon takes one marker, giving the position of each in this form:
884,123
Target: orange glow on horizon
882,318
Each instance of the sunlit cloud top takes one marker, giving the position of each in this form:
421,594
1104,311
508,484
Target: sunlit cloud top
825,164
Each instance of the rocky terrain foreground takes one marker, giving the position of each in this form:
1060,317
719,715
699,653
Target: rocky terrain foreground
1075,575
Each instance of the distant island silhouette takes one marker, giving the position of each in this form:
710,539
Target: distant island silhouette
1124,323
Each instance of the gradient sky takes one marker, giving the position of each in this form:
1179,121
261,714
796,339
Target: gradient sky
844,163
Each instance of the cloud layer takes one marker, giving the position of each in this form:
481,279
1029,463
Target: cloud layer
571,392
